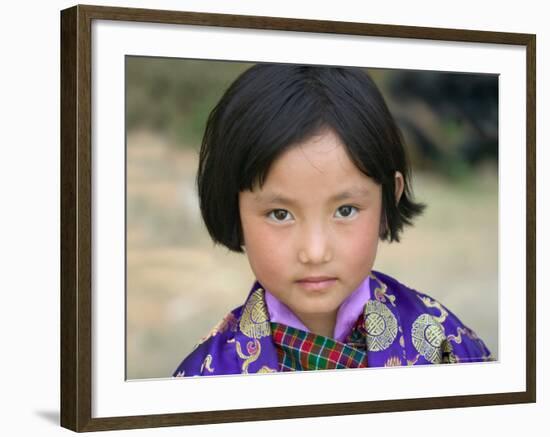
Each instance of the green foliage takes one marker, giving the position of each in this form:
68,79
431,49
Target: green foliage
173,97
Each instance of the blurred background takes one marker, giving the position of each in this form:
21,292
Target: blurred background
179,285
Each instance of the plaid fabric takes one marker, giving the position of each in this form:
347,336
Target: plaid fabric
300,350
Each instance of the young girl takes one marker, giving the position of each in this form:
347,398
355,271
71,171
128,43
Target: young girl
303,169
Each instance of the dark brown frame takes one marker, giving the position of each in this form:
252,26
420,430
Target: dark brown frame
76,217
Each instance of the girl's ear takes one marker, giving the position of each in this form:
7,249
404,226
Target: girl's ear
399,186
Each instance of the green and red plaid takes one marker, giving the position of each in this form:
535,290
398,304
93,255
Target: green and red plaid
300,350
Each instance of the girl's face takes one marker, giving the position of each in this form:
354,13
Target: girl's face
311,233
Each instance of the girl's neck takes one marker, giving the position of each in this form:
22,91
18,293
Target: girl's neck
320,324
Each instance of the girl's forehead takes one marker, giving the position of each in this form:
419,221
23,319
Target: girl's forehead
274,195
321,162
301,180
317,152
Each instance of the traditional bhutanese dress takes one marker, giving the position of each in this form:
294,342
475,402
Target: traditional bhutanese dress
382,323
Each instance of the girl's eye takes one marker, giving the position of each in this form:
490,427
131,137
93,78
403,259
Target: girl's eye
279,215
346,211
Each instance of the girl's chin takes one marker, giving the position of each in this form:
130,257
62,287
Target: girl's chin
322,310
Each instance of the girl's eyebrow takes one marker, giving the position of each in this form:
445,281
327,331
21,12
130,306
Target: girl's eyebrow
281,199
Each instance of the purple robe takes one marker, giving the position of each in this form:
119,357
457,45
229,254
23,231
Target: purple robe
401,327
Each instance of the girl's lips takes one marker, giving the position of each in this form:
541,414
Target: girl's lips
316,278
318,283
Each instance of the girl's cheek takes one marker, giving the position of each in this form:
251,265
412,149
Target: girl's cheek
264,238
268,256
273,241
363,240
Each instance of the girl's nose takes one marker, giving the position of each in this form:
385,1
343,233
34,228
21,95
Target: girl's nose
314,247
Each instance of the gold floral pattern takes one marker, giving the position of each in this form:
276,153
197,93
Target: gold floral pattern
413,361
266,369
427,337
381,326
431,303
393,362
207,363
458,337
254,319
253,348
459,332
381,292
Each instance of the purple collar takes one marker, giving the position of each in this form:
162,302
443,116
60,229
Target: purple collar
348,312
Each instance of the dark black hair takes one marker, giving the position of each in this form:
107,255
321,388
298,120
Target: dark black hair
271,107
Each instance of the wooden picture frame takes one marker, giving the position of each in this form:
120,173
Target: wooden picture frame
77,334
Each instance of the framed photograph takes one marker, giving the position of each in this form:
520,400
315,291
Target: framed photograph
220,178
